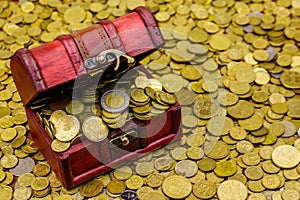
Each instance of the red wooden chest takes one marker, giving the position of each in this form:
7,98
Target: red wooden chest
51,68
54,64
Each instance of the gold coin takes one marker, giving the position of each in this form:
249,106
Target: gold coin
142,109
270,181
54,181
191,73
279,108
225,168
41,193
95,129
75,107
114,100
9,178
226,188
216,150
179,153
144,168
162,16
286,156
123,173
261,76
290,194
142,82
204,189
8,134
254,173
269,167
284,60
6,192
261,55
163,163
18,141
155,180
134,182
186,168
167,98
66,128
237,133
41,169
2,175
22,193
252,123
251,158
74,14
220,42
242,110
9,161
56,115
172,83
206,164
5,95
141,192
39,183
239,88
91,188
195,153
59,146
63,197
116,187
154,195
176,187
139,95
110,115
206,108
25,179
290,79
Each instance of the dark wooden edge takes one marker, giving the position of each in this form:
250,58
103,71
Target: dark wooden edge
26,75
151,25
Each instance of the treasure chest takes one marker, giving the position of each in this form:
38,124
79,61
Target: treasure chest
85,109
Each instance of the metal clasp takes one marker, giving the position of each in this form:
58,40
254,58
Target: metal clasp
124,139
107,57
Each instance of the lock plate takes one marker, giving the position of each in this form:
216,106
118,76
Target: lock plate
124,139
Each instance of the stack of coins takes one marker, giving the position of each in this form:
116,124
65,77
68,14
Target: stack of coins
139,103
149,102
40,187
115,108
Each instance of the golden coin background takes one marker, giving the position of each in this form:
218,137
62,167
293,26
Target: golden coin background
249,49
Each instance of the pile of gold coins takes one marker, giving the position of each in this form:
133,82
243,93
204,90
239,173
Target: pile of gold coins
67,119
234,67
147,102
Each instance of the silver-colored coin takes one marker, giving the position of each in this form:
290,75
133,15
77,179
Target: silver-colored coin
272,53
255,14
25,165
249,28
290,128
110,94
186,168
95,129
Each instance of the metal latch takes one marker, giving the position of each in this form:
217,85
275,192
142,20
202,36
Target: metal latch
106,58
124,139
